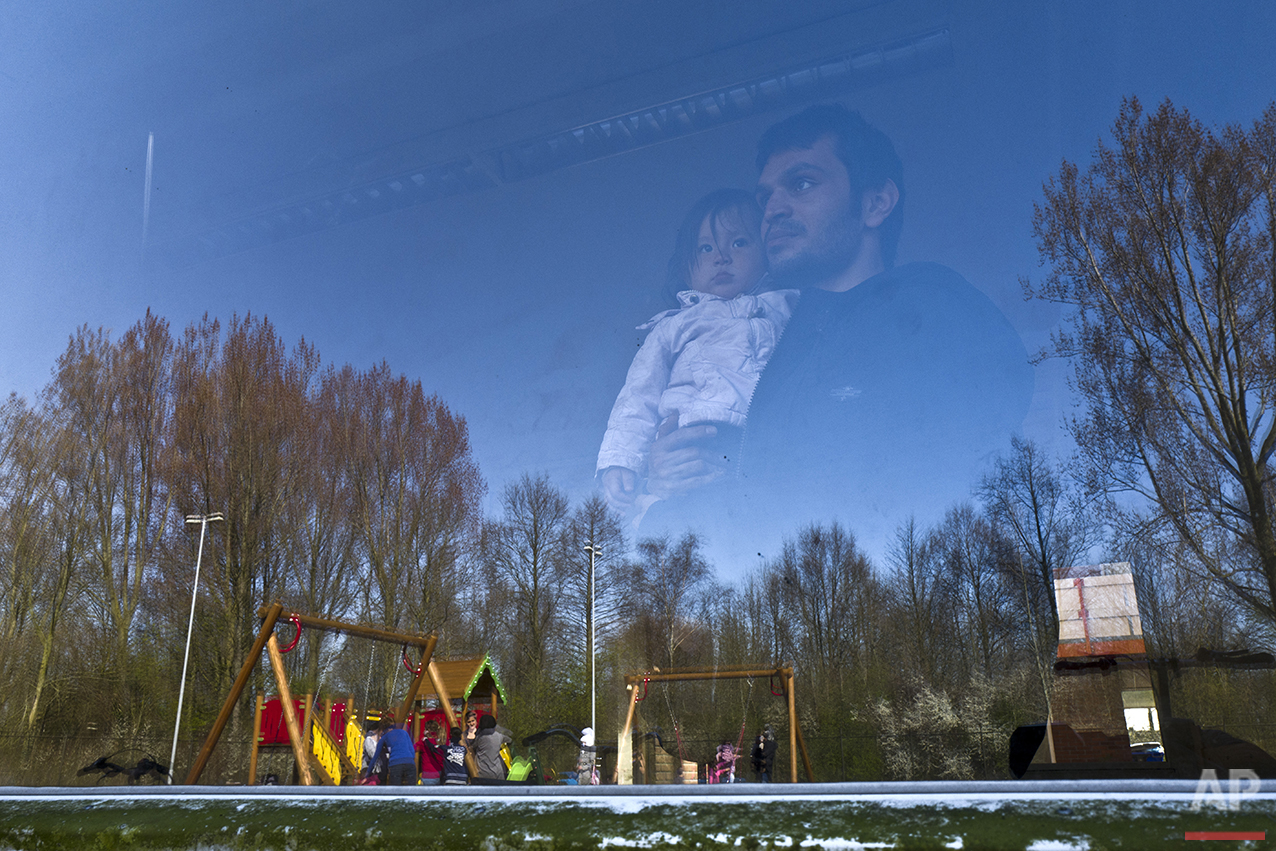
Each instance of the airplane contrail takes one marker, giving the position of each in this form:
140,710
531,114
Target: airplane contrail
146,201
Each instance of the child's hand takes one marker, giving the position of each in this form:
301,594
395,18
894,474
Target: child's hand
620,487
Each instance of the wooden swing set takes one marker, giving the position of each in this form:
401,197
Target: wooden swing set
636,685
316,751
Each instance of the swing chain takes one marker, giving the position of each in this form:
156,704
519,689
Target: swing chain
744,717
394,685
677,731
367,687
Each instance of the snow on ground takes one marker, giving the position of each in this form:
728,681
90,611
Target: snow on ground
620,804
840,817
649,841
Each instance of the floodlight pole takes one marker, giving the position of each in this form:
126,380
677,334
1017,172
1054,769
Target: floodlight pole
203,521
593,703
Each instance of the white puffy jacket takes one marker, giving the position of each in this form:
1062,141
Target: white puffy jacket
700,361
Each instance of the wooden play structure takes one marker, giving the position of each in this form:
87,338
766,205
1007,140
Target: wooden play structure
327,741
472,683
335,752
660,766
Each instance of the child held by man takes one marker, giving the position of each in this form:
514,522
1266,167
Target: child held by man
701,360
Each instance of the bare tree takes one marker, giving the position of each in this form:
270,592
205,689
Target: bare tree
28,484
1181,610
1165,252
666,596
592,525
525,560
235,427
982,605
67,521
115,408
921,617
327,481
1029,500
748,620
414,493
831,596
317,529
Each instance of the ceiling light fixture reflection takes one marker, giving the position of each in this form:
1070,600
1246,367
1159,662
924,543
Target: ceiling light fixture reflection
542,154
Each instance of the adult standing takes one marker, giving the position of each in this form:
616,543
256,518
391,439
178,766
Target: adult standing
891,384
400,756
471,728
763,756
487,748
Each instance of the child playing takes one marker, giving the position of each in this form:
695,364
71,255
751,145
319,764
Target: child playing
586,765
724,771
373,771
431,752
700,361
454,771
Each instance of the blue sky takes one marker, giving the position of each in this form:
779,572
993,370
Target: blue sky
517,304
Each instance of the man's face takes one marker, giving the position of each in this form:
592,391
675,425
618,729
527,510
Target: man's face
810,227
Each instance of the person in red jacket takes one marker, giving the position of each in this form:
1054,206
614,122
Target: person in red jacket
431,751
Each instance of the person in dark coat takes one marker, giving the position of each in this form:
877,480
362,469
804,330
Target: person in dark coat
764,756
454,771
892,384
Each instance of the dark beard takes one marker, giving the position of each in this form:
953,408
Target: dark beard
810,270
837,249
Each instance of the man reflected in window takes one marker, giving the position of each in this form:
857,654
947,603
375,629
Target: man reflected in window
889,380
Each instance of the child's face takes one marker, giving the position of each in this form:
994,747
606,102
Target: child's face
729,257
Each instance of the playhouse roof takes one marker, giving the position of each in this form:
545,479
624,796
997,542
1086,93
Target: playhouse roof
462,677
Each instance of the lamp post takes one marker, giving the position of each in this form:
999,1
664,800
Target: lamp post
593,551
203,521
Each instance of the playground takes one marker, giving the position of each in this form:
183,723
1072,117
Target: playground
316,739
659,787
654,764
323,736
